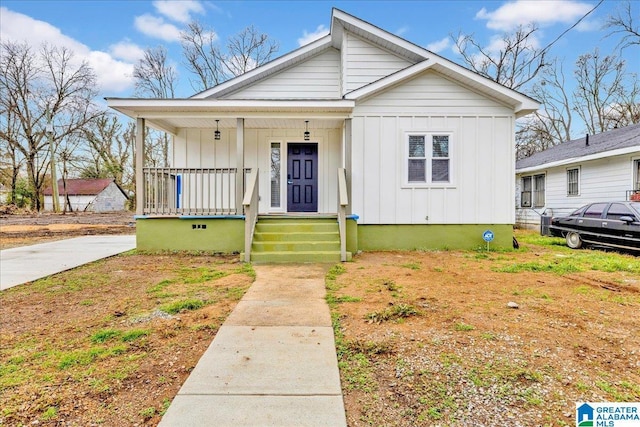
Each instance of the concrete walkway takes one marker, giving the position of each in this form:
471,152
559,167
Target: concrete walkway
28,263
273,361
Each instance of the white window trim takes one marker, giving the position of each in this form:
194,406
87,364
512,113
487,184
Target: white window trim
533,190
633,171
579,169
428,150
283,181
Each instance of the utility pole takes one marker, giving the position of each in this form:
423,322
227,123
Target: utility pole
54,180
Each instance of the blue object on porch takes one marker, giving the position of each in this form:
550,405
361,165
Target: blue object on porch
178,190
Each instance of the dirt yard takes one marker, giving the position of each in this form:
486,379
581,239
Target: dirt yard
486,338
510,338
27,229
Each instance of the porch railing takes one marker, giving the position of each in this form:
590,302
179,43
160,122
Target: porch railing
250,204
343,202
190,191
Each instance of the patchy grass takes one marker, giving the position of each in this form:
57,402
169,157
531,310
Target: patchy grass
183,305
395,312
93,346
468,358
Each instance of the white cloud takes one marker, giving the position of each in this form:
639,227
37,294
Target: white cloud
522,12
401,31
307,38
112,74
127,51
588,25
155,26
179,11
439,45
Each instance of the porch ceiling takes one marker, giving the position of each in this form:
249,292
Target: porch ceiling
171,115
249,123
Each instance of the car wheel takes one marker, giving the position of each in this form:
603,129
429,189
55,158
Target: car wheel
574,241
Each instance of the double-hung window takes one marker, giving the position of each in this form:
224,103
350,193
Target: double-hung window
429,158
573,177
533,191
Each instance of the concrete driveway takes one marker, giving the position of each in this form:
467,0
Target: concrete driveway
28,263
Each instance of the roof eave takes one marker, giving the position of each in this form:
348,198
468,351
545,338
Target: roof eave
266,69
571,160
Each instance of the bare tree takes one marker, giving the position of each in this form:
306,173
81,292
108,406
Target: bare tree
10,160
605,97
245,51
154,76
551,125
202,56
110,150
514,65
33,83
601,85
622,24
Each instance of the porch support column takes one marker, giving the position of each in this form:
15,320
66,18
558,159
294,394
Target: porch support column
347,159
239,165
140,136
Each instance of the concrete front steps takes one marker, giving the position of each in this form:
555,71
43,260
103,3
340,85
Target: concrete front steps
296,240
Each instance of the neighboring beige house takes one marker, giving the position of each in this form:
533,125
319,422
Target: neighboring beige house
395,146
595,168
92,195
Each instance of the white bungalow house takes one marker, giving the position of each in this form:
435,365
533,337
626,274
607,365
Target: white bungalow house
377,142
88,195
594,168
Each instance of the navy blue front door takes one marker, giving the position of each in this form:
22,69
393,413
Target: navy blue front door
302,177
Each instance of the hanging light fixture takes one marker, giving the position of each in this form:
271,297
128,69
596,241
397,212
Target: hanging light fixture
307,134
216,134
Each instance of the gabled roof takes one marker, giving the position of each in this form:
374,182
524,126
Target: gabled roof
83,187
341,22
605,144
198,111
272,67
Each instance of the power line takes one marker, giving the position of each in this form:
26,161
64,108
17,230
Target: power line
547,47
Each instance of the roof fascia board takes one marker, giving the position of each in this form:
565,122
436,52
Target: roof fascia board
569,161
282,61
339,16
208,104
523,103
388,81
298,114
523,106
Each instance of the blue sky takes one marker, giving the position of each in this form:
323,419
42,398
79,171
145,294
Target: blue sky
111,35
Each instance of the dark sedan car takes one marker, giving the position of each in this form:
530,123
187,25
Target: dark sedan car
615,224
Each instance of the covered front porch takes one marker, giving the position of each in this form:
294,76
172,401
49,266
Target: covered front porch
233,163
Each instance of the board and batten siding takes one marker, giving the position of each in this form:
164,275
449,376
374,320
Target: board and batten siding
600,180
482,156
316,78
195,148
365,63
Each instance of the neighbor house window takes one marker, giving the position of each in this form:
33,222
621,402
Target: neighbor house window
275,174
636,175
573,176
538,191
525,194
533,191
429,158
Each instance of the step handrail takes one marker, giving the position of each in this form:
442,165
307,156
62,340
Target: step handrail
250,204
343,202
